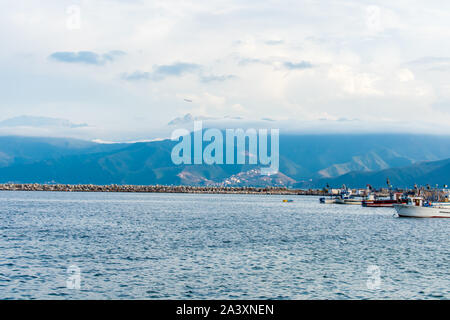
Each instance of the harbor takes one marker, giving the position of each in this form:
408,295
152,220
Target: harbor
417,203
324,192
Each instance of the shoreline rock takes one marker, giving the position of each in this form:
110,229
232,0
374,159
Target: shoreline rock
157,189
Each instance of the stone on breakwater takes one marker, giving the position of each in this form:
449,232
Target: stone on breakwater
156,189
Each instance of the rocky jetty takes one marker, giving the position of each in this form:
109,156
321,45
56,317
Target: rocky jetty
157,189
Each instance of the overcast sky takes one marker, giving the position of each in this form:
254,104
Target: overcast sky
129,67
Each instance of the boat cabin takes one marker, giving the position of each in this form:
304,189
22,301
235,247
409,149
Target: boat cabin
415,201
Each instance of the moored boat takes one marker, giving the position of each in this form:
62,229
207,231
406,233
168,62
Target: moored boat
327,200
394,199
417,207
350,200
382,203
347,198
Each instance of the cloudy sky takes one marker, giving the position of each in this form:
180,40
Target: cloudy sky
128,67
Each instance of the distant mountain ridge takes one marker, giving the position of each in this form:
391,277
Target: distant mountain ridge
305,160
423,173
33,121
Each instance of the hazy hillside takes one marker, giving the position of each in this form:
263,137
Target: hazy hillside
308,156
322,158
24,150
432,172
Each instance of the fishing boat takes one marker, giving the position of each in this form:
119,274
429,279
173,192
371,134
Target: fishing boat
332,198
350,200
417,207
387,203
347,198
327,200
395,198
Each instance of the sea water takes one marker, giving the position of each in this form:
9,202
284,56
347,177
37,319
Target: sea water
62,245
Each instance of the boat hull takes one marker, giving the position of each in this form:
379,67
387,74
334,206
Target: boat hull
349,201
410,211
381,203
325,200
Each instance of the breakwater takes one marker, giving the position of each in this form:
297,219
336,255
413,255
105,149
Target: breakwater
158,189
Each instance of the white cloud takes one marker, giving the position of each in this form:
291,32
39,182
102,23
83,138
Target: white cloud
352,82
300,60
405,75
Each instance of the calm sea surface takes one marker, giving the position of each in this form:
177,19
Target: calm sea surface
185,246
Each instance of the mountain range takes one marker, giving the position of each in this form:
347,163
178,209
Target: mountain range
45,122
306,161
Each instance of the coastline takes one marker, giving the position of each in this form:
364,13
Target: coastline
157,189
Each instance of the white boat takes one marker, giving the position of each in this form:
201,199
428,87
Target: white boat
327,200
330,199
347,198
418,208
